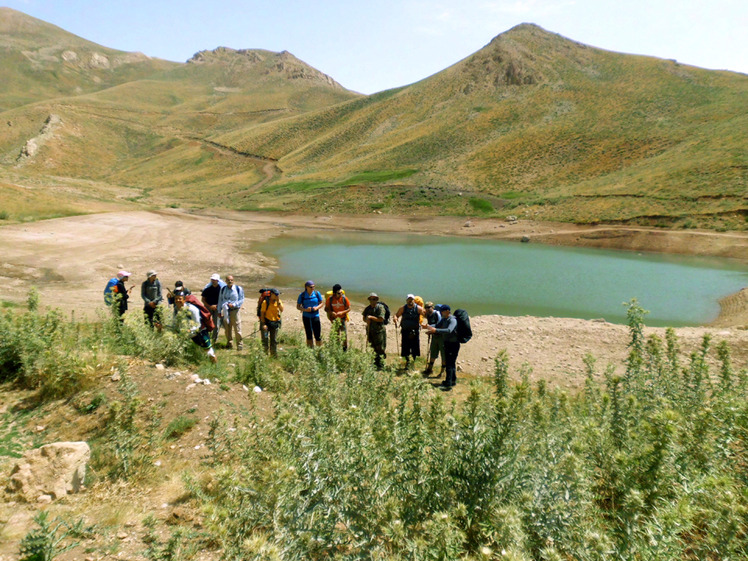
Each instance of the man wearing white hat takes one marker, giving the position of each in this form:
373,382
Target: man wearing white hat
210,295
409,329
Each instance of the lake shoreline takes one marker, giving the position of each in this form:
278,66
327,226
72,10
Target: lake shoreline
727,245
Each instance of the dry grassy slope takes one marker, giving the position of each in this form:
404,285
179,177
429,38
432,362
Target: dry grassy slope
41,61
144,134
537,118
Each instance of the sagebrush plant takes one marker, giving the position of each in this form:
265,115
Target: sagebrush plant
47,541
125,448
355,463
43,351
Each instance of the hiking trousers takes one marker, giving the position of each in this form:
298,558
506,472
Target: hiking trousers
451,350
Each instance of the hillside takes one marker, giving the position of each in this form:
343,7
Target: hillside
536,121
534,125
41,61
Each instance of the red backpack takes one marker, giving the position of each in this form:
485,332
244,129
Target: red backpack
206,318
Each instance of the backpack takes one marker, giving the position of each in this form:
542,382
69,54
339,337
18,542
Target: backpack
369,310
464,331
328,304
386,313
264,296
109,291
206,318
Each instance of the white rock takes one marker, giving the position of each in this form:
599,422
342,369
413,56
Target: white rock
160,367
257,389
54,469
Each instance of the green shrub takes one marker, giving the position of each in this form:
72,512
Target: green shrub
179,426
481,205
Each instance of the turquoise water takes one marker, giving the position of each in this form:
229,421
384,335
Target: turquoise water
494,277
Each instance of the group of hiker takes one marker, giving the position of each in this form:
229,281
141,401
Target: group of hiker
220,304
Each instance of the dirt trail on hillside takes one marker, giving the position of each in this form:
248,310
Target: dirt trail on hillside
70,260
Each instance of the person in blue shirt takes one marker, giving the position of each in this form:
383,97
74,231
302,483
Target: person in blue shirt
230,300
446,328
309,303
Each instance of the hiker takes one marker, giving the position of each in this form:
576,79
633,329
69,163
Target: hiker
150,292
230,300
209,296
270,321
178,287
196,324
309,303
446,329
409,329
337,307
117,292
436,345
376,334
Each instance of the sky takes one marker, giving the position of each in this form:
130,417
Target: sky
373,45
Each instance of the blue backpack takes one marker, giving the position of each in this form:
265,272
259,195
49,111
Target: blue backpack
109,291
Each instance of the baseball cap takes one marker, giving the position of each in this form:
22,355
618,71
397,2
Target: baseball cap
215,276
410,296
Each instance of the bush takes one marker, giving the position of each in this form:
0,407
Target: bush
353,464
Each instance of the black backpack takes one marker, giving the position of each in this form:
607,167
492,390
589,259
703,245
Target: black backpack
386,313
369,310
464,331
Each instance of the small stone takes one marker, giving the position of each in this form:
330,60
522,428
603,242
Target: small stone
257,389
190,386
40,428
157,463
44,499
122,535
246,389
206,382
115,377
160,367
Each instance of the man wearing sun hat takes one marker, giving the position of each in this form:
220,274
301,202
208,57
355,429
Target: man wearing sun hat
376,335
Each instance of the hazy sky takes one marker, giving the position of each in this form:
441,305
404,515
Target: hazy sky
373,45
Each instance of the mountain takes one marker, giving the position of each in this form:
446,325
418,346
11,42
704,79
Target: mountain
534,124
41,61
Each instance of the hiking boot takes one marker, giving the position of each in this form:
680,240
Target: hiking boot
240,347
429,369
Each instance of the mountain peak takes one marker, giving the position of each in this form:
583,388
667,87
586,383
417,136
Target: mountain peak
267,63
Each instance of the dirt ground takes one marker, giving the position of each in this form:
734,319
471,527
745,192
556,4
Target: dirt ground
70,259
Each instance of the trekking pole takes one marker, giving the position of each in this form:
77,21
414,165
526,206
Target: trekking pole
397,338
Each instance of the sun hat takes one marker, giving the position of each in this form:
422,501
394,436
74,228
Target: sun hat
123,274
151,273
373,296
215,276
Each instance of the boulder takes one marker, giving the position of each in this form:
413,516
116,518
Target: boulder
54,469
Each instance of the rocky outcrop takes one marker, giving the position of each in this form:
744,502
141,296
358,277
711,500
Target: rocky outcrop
264,63
50,472
32,145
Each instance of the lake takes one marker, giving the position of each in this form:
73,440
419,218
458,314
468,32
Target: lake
508,278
